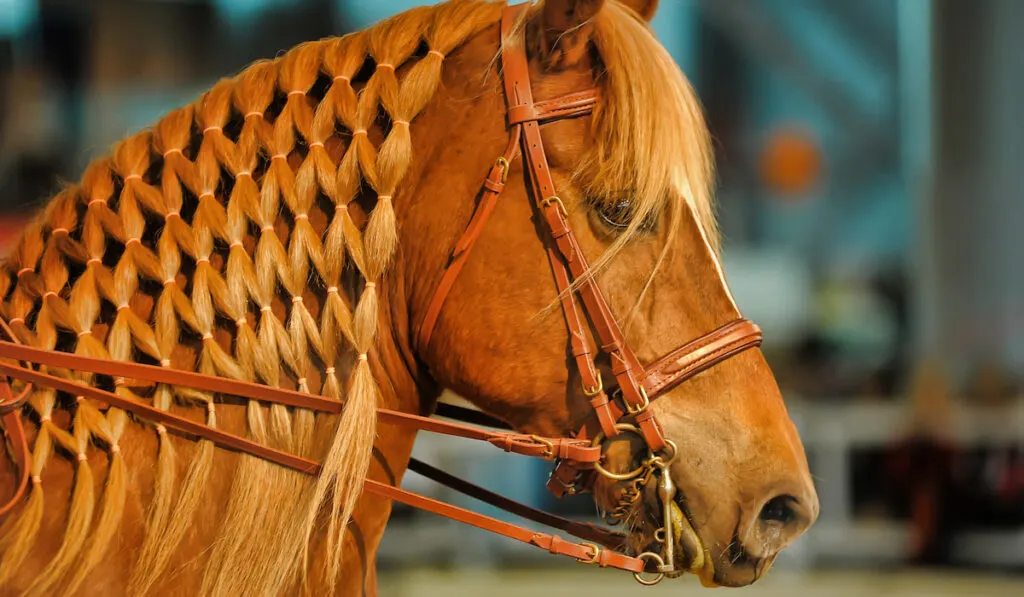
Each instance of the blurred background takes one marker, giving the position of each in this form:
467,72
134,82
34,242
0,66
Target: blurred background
871,160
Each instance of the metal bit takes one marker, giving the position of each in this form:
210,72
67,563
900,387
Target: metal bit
667,493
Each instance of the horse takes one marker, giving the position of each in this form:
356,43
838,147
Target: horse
291,229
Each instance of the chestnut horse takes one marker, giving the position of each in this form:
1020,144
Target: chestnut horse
290,227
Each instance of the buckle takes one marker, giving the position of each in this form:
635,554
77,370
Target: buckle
639,409
549,448
591,392
556,199
595,555
502,163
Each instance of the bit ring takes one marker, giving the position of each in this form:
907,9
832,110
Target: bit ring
649,582
600,437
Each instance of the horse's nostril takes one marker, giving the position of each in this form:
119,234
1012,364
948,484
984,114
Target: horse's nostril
780,509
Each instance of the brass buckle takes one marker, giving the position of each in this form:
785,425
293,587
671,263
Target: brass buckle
595,555
556,199
549,448
639,409
591,392
502,163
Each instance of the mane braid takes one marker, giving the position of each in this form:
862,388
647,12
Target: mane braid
220,241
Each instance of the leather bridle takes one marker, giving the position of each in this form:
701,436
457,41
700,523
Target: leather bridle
626,409
636,385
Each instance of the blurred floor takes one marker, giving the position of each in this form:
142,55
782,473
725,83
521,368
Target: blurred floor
608,583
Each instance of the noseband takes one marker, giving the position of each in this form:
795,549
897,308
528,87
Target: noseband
624,409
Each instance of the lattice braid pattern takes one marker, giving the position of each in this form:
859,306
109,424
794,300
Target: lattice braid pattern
234,209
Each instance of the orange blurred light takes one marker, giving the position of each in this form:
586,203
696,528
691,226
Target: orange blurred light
790,162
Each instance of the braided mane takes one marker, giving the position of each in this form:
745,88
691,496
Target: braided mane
221,241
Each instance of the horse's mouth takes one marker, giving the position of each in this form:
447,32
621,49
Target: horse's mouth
689,555
737,566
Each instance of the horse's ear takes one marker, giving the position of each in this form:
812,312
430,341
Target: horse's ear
566,26
644,8
563,15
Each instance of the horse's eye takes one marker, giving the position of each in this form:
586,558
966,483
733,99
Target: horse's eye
616,213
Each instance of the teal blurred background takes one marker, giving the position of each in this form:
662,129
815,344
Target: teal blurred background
870,191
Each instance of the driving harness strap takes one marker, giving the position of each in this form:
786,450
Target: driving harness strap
528,445
10,416
583,530
15,433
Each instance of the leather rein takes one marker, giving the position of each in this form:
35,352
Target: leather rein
624,410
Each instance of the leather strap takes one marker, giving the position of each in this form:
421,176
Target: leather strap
19,450
571,105
145,411
701,354
590,377
527,445
560,448
637,386
493,185
519,95
582,530
10,416
663,375
583,552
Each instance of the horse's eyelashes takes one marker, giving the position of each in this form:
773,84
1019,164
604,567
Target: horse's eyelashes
617,212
